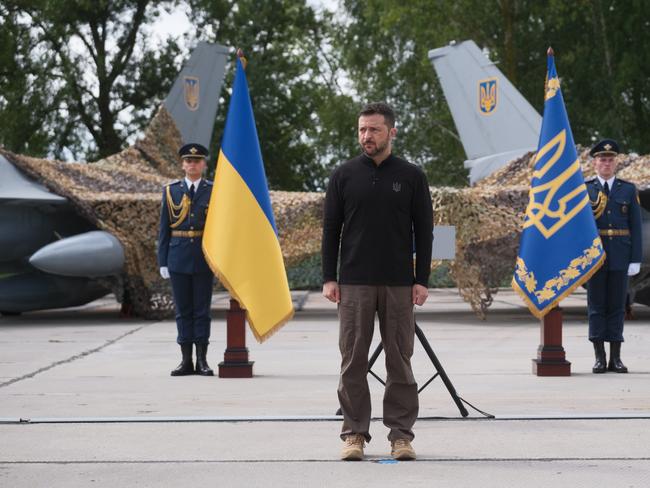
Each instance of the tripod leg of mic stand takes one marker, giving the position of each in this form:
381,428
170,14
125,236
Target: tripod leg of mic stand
440,370
375,355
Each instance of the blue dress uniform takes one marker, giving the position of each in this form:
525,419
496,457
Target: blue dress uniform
182,218
618,218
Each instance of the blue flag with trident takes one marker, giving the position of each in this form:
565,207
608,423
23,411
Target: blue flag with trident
559,247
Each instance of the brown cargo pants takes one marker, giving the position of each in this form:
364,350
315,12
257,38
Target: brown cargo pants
394,307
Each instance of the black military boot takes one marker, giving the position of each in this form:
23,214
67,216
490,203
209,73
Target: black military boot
600,366
186,367
615,363
202,367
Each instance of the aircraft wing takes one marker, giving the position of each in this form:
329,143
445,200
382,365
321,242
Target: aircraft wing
16,187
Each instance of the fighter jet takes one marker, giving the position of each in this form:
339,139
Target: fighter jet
51,256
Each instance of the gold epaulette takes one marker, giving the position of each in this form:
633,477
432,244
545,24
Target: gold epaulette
598,207
177,213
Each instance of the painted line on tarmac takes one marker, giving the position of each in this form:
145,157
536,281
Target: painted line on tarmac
378,460
303,418
72,358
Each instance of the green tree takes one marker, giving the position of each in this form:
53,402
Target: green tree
75,76
27,96
299,109
604,67
605,71
106,75
385,47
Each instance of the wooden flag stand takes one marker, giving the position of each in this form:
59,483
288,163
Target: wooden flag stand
235,359
551,360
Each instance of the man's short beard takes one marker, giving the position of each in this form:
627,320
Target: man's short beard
378,149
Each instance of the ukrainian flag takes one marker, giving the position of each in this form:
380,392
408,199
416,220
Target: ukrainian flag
559,248
240,240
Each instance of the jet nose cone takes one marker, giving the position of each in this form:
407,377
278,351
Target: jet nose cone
92,254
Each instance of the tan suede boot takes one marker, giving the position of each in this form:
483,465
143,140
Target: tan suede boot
402,450
353,448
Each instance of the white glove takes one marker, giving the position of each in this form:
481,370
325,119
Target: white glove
633,269
164,272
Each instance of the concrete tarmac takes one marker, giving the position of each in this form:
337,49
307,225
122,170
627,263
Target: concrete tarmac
86,400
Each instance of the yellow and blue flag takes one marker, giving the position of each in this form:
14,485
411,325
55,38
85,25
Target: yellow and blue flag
559,247
240,239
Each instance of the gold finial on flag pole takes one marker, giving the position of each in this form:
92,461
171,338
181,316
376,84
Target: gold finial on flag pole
240,55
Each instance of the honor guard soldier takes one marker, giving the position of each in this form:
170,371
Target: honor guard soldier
180,257
617,211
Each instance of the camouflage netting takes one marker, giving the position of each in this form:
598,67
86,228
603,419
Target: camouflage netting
298,218
487,224
486,253
488,219
631,167
121,194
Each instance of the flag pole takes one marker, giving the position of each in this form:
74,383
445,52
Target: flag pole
551,356
235,358
236,362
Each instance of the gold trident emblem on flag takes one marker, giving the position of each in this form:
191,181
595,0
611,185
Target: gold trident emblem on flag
543,199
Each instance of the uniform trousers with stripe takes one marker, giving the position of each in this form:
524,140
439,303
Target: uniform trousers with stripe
606,292
192,298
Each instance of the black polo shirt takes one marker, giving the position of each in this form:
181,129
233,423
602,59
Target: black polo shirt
378,215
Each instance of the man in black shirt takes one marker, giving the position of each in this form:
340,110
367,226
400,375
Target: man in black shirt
378,210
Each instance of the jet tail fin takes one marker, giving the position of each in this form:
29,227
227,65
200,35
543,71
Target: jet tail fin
496,124
194,97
